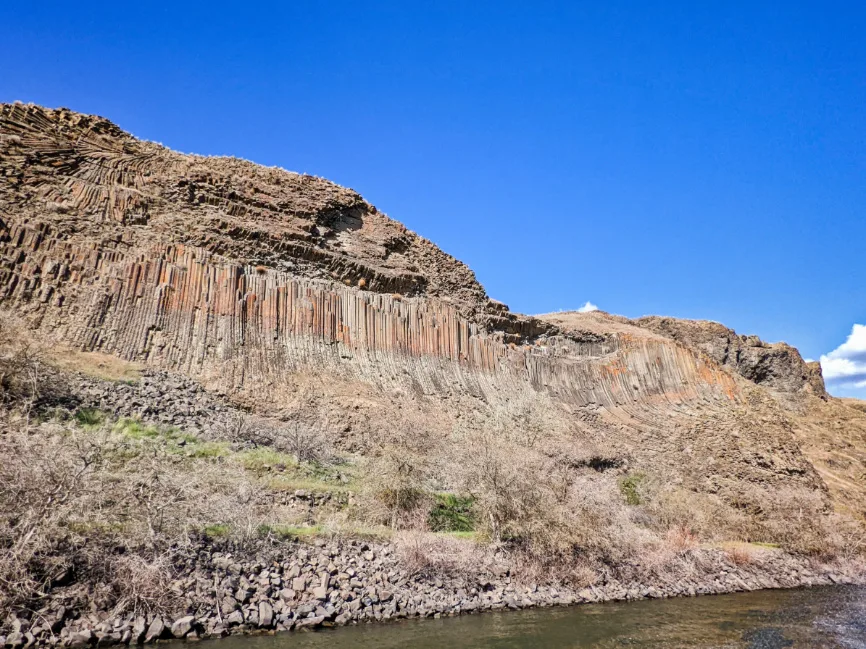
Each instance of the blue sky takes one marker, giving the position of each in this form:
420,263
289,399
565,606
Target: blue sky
700,160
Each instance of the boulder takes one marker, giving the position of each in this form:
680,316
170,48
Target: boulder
182,626
266,615
155,630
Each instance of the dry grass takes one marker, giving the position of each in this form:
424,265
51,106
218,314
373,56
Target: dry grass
72,497
741,554
857,404
94,364
77,492
577,521
426,554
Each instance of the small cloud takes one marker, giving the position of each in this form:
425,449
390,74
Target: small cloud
845,366
588,307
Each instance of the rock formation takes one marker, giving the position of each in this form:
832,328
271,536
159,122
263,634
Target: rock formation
254,280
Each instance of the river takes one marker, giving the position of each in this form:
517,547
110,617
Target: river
814,618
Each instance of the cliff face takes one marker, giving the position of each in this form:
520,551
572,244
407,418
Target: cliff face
774,365
255,281
85,180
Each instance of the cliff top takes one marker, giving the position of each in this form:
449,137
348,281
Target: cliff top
85,177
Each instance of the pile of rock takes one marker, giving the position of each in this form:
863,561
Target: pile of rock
328,583
156,398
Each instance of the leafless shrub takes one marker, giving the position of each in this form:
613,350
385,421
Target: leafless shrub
427,554
306,442
400,473
846,538
239,427
740,554
44,480
524,418
23,373
682,539
141,584
303,439
526,498
792,517
394,487
70,497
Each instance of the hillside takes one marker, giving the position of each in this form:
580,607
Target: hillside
274,330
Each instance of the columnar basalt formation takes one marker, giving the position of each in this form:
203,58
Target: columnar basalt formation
92,180
775,365
244,277
123,246
187,309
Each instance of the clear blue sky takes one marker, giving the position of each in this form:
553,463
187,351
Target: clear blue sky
701,160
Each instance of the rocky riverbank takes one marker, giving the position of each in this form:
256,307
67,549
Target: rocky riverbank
294,586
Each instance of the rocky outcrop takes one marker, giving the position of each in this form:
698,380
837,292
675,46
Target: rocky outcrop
98,185
774,365
189,310
252,281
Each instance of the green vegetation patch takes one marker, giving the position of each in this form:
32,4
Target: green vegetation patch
630,487
293,483
468,536
262,459
89,417
217,530
289,532
174,441
451,513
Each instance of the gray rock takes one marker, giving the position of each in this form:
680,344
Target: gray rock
182,626
155,631
266,615
139,628
79,639
320,593
108,639
310,622
15,639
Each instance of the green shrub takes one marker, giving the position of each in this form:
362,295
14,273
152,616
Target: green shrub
630,486
451,513
89,417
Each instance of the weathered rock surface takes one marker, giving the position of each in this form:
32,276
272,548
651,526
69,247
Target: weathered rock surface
774,365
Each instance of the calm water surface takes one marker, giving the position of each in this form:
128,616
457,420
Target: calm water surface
819,617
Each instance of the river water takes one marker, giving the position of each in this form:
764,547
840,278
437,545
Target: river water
814,618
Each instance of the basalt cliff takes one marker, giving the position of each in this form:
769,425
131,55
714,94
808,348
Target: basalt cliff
251,279
264,286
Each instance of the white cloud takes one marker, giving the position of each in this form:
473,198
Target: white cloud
845,366
586,308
